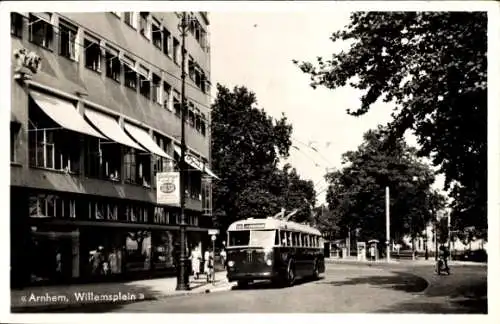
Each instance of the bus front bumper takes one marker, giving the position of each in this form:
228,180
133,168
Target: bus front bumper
234,276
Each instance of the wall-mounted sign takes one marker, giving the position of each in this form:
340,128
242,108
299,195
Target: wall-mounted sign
28,60
197,163
168,188
213,232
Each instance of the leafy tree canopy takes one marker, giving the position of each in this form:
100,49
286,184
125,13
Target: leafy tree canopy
246,147
356,194
432,66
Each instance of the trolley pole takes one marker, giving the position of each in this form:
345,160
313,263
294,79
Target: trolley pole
388,223
183,277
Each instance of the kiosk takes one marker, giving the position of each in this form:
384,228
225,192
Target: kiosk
361,251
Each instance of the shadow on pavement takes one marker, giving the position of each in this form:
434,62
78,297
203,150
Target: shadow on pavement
399,281
269,285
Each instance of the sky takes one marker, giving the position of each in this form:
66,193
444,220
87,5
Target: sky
256,50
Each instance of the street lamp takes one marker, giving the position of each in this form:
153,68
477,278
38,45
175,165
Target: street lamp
183,276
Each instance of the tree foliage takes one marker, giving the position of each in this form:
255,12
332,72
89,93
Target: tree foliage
432,66
356,194
246,147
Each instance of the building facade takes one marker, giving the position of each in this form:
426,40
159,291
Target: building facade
95,116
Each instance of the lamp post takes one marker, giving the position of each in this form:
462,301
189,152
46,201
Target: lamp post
388,223
183,277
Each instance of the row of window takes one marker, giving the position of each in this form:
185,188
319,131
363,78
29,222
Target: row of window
151,28
54,206
296,239
116,66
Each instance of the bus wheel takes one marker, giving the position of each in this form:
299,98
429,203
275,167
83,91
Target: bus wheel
242,283
316,270
290,273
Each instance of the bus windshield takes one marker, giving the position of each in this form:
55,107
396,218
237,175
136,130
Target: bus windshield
261,238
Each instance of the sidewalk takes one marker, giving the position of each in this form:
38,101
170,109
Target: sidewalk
420,261
36,299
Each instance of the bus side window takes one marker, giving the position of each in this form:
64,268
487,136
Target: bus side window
276,237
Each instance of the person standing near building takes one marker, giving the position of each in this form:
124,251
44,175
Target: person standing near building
196,261
223,257
208,263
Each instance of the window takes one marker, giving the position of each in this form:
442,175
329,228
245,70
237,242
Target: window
144,82
144,26
203,121
92,54
16,24
168,98
137,168
161,216
102,159
14,131
176,51
157,89
191,68
167,42
177,105
130,19
203,83
191,116
67,40
113,65
156,35
197,122
130,73
112,212
295,239
130,164
41,31
48,205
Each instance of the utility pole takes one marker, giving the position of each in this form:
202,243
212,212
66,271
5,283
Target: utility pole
388,223
183,277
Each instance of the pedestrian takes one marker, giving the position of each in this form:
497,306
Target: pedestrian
196,261
208,263
223,256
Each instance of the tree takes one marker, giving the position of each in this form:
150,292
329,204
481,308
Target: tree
298,194
246,147
432,67
356,193
327,221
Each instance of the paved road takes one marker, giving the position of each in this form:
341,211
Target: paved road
343,289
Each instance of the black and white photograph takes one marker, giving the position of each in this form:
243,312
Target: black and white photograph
255,157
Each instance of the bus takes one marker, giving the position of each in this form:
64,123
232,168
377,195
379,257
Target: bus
273,249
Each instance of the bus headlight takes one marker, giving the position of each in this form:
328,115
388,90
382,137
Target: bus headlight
230,263
269,262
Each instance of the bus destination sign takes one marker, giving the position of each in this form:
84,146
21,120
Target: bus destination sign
251,226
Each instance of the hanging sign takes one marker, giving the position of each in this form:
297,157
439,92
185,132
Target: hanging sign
168,188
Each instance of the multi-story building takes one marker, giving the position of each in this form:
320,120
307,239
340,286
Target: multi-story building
95,116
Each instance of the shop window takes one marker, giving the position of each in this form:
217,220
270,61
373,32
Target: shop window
113,65
16,24
51,206
130,75
168,99
92,54
41,31
157,89
161,215
144,25
176,51
156,35
163,243
167,43
138,250
130,19
67,40
144,83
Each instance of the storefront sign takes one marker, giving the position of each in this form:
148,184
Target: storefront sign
194,161
167,188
